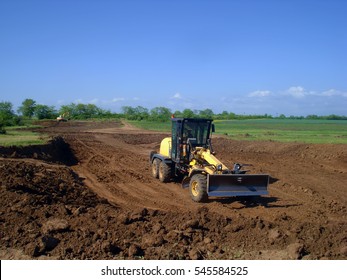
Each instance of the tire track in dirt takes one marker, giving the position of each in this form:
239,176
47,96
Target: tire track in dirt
130,148
300,195
125,174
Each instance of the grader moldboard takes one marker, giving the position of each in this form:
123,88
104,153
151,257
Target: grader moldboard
188,153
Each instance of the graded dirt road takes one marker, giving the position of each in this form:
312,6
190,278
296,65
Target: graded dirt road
90,195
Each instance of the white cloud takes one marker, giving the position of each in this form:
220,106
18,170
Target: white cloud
177,96
259,93
333,92
330,92
118,99
94,101
177,101
294,100
297,92
300,92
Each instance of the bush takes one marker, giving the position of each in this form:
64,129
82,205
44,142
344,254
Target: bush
2,128
17,120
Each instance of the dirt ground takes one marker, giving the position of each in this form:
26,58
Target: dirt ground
89,194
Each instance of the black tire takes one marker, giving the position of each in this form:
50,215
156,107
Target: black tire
155,168
198,188
164,172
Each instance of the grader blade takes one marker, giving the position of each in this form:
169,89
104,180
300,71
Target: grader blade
227,185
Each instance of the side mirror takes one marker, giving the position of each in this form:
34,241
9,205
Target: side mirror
213,128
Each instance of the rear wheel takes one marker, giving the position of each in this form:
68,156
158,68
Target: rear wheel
164,172
155,167
198,188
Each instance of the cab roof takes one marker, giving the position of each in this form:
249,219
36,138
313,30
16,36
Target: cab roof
191,119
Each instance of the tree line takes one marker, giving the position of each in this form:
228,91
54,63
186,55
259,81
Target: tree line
163,114
30,109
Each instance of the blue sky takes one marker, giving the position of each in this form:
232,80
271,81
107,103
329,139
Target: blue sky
253,57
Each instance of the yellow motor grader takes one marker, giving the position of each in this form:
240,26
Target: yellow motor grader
188,154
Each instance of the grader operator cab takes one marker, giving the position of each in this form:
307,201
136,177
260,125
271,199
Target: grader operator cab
188,154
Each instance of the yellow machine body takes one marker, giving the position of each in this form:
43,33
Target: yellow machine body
193,157
203,156
165,147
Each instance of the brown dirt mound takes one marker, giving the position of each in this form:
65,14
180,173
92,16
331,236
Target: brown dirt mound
47,212
107,206
57,151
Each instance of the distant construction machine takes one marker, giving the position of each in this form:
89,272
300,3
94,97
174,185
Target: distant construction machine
188,154
63,117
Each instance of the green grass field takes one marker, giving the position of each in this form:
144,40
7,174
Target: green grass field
152,125
283,130
17,136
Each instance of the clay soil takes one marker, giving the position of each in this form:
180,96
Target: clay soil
89,194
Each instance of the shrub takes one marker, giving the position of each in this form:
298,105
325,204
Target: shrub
2,128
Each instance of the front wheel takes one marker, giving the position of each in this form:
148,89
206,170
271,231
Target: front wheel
198,188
